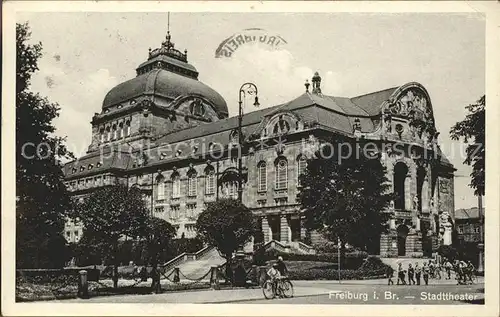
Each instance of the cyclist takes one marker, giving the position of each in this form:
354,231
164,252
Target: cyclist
274,274
282,267
470,271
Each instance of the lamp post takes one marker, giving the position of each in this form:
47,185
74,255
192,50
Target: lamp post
250,89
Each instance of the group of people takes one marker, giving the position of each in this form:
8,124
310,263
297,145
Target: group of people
412,275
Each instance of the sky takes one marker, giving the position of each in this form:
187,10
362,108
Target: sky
87,54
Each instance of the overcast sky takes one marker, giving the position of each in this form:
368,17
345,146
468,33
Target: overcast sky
86,54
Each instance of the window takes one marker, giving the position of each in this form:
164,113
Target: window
114,132
400,175
108,134
161,190
102,135
230,189
281,174
192,184
120,130
460,229
127,126
174,211
159,209
210,181
68,234
176,186
191,210
262,177
301,167
281,201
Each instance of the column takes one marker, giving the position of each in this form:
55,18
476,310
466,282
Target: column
425,196
392,224
285,230
266,230
408,193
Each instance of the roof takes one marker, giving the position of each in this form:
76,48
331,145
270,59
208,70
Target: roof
160,82
470,213
372,102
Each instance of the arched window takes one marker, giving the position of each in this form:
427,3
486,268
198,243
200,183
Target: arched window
120,130
210,181
281,173
127,127
301,167
114,132
108,134
192,184
262,176
176,185
161,188
400,175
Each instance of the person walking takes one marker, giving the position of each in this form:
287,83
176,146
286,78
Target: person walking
418,273
390,275
411,274
401,274
448,266
425,273
437,269
431,269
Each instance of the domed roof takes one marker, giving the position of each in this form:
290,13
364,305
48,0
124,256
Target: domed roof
166,74
163,83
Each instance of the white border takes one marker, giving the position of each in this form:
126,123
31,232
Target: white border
9,307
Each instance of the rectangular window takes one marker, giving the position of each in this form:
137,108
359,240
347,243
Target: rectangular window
176,188
262,177
161,191
210,185
192,186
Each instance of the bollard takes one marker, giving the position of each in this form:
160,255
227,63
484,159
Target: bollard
214,278
83,285
255,277
262,275
177,278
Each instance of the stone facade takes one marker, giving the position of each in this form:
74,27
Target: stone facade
181,150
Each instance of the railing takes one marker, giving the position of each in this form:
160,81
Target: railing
185,257
306,248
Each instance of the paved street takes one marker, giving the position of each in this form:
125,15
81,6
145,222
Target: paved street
321,292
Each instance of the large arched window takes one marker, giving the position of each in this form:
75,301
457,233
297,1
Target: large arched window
281,167
262,177
400,175
115,134
161,188
102,135
301,167
120,130
192,183
210,180
176,185
281,127
108,133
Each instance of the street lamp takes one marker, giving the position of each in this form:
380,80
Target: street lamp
250,89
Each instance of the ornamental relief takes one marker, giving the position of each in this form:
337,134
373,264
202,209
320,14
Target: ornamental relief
196,107
412,104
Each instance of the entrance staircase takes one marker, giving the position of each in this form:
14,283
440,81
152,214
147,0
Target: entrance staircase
195,265
293,247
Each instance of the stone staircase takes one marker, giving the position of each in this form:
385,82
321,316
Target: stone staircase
195,265
294,247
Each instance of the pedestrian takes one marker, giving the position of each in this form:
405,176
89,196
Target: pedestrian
431,269
448,266
418,272
425,273
437,269
401,274
390,274
411,274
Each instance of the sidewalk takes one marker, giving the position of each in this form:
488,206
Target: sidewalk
301,288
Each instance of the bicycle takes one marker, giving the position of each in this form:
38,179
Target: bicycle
284,287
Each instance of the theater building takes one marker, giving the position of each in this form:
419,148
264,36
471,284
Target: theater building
169,134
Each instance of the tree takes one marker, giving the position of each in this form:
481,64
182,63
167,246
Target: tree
158,236
227,225
344,199
42,198
472,130
110,214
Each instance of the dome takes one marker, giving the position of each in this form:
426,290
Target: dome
166,74
166,84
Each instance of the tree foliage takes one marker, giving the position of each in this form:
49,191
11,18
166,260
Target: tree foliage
42,199
227,225
344,199
111,213
472,130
